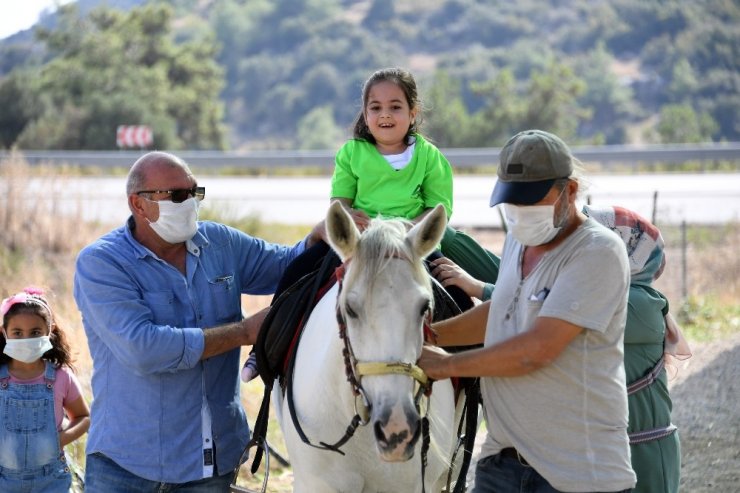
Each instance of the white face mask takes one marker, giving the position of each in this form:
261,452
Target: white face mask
533,225
177,222
27,350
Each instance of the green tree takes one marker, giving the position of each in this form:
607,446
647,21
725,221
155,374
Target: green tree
552,101
679,123
610,100
684,81
114,68
380,11
318,130
19,105
499,118
445,117
546,100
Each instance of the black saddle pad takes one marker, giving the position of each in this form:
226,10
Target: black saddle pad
286,317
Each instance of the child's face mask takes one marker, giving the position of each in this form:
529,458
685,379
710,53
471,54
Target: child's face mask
27,350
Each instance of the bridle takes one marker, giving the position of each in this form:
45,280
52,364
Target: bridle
355,370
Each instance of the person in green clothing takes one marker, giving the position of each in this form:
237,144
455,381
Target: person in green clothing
387,169
651,338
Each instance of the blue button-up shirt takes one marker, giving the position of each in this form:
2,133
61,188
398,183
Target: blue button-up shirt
155,403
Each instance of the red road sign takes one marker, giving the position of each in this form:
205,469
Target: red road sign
134,136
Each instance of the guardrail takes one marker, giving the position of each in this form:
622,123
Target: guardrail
460,158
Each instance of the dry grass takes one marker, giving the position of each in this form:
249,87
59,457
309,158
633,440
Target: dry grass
39,245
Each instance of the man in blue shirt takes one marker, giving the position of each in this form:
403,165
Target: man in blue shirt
160,299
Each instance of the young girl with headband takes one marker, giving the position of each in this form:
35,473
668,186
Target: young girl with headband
37,389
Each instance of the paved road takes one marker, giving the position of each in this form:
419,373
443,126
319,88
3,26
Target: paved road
695,198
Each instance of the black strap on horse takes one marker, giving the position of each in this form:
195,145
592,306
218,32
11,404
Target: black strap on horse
466,438
444,308
307,288
331,261
354,423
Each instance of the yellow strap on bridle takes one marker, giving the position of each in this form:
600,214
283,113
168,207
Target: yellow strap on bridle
398,368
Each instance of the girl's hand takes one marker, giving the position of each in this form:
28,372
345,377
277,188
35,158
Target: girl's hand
78,422
448,273
359,217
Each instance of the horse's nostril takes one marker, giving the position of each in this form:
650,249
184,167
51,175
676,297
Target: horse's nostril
414,423
416,427
379,435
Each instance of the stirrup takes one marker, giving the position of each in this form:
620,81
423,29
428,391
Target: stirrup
260,443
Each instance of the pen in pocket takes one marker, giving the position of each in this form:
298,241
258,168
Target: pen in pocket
540,296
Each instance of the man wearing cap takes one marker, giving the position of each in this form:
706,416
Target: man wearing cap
553,379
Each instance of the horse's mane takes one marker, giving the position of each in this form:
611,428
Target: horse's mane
382,241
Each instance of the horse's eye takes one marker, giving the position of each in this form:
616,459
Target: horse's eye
349,311
425,308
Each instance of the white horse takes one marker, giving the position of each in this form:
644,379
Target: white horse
383,302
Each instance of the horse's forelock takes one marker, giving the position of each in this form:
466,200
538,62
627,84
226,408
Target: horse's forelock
381,242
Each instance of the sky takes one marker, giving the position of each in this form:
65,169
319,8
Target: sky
16,15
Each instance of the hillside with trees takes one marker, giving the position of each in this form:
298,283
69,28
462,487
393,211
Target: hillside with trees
281,74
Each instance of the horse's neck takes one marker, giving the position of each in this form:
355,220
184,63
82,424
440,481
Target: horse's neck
319,365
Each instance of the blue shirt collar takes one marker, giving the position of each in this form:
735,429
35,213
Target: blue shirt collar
193,245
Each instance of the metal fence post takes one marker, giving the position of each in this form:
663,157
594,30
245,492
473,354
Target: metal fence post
684,285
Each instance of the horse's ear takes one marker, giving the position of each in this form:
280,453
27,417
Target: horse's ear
425,236
341,231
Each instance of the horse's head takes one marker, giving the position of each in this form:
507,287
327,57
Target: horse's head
386,297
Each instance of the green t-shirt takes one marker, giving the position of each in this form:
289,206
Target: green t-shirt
362,174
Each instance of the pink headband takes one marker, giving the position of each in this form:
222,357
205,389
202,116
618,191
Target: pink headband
29,295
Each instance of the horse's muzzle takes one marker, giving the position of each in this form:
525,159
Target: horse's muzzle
396,437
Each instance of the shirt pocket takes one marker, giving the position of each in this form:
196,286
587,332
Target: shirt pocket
162,305
26,415
533,309
225,298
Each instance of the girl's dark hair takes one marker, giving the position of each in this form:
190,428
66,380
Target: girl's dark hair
60,353
403,79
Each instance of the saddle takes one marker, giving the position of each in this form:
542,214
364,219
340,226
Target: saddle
280,331
278,335
278,338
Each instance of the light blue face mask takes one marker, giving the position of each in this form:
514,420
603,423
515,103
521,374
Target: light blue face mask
27,350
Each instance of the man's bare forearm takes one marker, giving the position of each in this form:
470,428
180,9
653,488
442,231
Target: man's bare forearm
227,337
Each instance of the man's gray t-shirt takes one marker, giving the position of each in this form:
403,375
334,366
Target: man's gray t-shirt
568,419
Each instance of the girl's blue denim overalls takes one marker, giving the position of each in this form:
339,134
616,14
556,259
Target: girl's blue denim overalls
30,456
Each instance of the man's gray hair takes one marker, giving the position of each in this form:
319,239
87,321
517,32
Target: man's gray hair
578,176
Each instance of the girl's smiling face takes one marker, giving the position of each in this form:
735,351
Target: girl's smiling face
388,117
26,326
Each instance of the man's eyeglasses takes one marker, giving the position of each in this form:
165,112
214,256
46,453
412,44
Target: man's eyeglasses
181,194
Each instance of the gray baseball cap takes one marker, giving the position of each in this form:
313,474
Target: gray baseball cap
529,164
